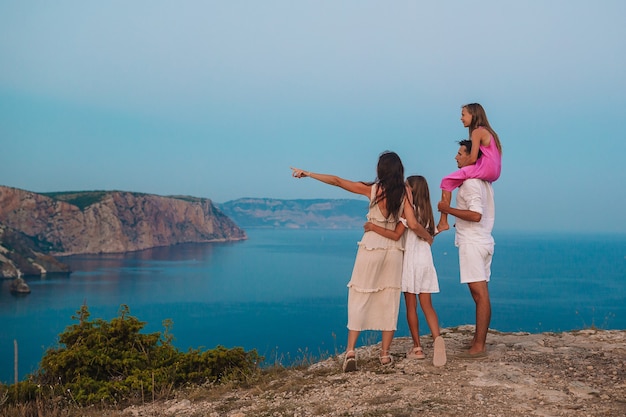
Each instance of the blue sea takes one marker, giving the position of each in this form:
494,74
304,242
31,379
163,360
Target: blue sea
283,292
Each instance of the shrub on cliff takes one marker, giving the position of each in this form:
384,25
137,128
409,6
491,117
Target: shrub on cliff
81,199
112,362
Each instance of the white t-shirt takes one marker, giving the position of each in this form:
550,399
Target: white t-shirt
475,195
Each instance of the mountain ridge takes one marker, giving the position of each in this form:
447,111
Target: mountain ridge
251,212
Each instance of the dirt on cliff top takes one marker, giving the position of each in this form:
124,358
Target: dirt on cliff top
580,373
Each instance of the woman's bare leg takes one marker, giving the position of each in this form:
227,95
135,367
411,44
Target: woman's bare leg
386,345
353,336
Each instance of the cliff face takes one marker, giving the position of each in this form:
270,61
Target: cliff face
22,255
108,222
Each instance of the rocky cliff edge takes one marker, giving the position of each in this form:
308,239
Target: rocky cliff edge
574,374
100,222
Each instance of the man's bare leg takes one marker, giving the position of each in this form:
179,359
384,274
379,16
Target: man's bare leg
480,294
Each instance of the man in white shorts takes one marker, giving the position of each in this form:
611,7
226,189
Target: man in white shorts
475,214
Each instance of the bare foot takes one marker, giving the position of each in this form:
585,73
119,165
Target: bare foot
442,227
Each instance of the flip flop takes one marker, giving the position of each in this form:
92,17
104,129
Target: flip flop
439,355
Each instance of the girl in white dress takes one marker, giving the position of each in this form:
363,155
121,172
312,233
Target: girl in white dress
419,277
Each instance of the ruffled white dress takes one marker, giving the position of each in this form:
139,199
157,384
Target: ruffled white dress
374,288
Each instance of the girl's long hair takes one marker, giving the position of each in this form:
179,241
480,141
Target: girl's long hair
479,119
390,178
421,202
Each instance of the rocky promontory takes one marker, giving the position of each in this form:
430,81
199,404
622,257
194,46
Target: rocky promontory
574,374
34,227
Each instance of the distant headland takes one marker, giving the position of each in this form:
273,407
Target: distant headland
36,228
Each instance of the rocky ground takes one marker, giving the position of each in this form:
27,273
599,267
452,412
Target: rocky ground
580,373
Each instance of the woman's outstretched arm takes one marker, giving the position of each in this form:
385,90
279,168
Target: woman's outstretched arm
352,186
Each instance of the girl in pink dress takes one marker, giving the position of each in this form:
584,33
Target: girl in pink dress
486,153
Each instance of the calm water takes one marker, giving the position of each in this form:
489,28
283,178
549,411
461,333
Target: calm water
283,292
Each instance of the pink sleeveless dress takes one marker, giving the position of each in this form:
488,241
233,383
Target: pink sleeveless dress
487,168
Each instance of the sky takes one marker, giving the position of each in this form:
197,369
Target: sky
218,99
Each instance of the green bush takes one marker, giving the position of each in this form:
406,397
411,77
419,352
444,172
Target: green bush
112,362
81,199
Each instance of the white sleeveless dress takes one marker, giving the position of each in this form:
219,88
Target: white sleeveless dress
418,269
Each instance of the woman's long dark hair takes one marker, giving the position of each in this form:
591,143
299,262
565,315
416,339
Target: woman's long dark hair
390,178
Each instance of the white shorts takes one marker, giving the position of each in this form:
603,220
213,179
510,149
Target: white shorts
475,262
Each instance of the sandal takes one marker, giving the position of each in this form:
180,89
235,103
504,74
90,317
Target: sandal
385,360
416,353
349,362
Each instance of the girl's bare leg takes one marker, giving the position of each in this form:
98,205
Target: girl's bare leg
443,220
430,314
439,346
411,317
